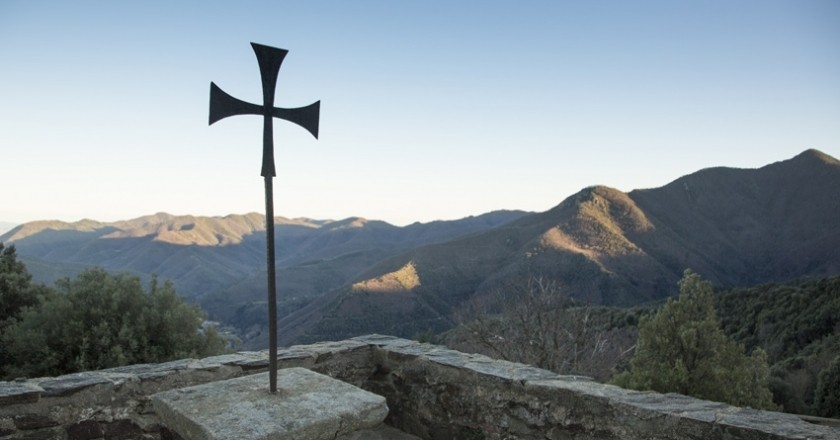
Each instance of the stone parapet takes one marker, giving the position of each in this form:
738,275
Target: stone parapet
432,392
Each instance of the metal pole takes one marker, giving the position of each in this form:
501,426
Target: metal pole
272,286
223,105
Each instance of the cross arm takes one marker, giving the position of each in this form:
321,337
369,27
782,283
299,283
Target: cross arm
223,105
307,117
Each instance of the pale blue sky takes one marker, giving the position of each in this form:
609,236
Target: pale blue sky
430,109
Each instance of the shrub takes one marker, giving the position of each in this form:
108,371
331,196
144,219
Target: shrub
99,320
682,349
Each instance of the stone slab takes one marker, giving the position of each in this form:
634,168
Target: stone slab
71,383
13,392
307,406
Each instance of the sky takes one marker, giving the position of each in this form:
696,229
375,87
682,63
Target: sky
430,110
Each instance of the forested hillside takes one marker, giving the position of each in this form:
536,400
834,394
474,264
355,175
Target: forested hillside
798,325
734,227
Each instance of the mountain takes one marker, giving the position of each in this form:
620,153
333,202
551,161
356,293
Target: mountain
220,261
736,227
197,253
775,223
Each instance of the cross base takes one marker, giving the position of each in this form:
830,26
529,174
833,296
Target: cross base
307,406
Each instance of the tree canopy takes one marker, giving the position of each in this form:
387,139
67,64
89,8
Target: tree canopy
683,349
827,401
98,320
797,323
16,289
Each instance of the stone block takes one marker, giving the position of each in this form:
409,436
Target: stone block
85,430
71,383
168,434
34,421
123,430
14,393
41,434
7,427
153,371
307,406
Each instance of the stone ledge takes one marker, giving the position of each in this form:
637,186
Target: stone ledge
71,383
12,393
32,390
445,387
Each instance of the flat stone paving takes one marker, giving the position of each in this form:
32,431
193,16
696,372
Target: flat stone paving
307,406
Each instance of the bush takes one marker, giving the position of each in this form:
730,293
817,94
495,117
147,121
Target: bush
99,320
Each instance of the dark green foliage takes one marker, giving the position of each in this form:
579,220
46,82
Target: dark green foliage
99,320
798,324
827,399
782,318
17,293
16,289
785,395
683,349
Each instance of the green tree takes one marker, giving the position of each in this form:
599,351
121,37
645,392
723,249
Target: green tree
16,289
682,349
827,398
99,320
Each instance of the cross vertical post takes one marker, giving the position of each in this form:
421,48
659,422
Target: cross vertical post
223,105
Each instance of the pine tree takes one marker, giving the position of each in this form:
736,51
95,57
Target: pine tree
682,349
16,289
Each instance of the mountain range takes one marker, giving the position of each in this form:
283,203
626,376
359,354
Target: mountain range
219,262
735,227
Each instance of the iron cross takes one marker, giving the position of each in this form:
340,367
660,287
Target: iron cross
223,105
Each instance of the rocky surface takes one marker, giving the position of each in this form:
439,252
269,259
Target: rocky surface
307,406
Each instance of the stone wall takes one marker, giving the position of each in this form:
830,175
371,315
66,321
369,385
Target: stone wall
432,392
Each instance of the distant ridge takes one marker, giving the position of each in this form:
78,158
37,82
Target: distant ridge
164,227
736,227
339,278
220,261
